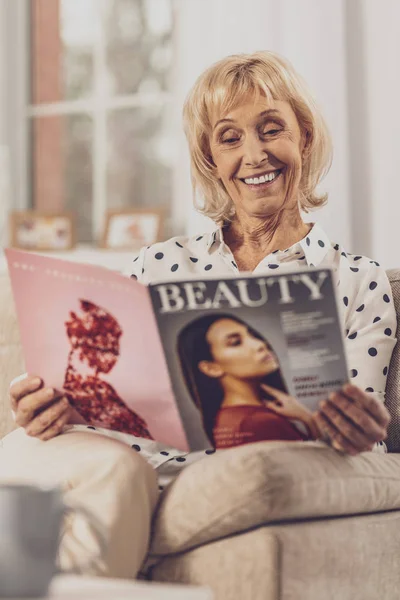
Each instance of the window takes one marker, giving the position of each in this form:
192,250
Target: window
101,120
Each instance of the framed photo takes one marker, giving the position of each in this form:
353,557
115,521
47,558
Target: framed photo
130,229
34,230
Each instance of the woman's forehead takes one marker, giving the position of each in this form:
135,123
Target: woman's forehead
226,100
224,327
251,106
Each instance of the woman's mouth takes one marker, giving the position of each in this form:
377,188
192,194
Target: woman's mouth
267,357
262,181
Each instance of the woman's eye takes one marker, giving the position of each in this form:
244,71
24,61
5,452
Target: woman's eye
230,140
271,131
229,137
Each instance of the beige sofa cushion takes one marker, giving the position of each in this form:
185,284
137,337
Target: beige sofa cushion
11,362
237,489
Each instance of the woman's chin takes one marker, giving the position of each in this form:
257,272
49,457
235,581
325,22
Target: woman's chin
262,208
270,369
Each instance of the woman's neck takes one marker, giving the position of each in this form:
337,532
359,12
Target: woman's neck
238,393
251,239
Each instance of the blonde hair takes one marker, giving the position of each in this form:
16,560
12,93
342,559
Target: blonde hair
221,88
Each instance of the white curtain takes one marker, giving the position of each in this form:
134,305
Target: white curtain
377,135
347,51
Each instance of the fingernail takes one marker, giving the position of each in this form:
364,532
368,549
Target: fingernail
36,381
50,392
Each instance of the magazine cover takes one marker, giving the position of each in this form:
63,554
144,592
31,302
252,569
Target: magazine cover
92,332
250,358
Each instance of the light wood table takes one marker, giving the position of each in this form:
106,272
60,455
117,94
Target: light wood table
69,587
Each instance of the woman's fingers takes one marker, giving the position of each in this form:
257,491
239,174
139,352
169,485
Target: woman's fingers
23,388
277,394
373,406
358,416
30,404
351,423
344,431
335,437
49,420
56,427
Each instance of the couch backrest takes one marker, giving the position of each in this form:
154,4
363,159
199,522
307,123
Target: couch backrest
393,382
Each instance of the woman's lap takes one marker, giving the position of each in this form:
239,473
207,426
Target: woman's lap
23,456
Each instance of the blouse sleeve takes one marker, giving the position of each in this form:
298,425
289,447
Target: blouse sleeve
136,269
371,332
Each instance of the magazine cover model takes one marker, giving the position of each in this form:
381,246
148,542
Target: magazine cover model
188,363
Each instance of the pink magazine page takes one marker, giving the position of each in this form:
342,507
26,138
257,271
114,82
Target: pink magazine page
91,332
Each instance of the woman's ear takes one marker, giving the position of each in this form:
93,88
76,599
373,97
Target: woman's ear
211,369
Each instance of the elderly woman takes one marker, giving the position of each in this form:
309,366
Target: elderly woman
259,147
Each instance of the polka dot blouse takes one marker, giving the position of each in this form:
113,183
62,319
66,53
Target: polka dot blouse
364,293
365,302
363,290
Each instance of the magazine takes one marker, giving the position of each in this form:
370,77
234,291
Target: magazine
192,364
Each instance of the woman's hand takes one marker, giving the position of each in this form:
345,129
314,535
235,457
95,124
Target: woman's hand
41,411
288,406
353,420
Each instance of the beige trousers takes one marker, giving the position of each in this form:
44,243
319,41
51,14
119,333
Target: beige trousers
107,478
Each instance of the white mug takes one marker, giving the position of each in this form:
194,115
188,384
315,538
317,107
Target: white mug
30,525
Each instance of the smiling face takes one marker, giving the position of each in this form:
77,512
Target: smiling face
237,352
257,151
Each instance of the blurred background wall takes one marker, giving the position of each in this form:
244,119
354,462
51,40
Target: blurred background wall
92,91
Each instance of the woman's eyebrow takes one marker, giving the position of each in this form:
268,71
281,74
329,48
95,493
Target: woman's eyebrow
272,112
223,121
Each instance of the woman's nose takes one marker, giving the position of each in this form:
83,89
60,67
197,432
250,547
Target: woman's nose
259,345
254,151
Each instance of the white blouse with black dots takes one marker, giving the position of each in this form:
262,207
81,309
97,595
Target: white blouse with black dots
365,298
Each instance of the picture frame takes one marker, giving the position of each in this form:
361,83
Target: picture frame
130,229
42,231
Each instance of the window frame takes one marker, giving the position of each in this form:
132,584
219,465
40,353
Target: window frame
97,106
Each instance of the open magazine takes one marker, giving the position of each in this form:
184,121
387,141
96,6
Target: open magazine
191,364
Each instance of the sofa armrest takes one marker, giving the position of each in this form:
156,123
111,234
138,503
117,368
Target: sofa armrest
241,488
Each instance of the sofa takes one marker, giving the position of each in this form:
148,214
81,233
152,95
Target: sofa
272,520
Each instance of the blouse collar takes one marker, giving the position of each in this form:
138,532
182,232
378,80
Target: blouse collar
314,246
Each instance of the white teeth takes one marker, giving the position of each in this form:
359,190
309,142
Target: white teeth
262,179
